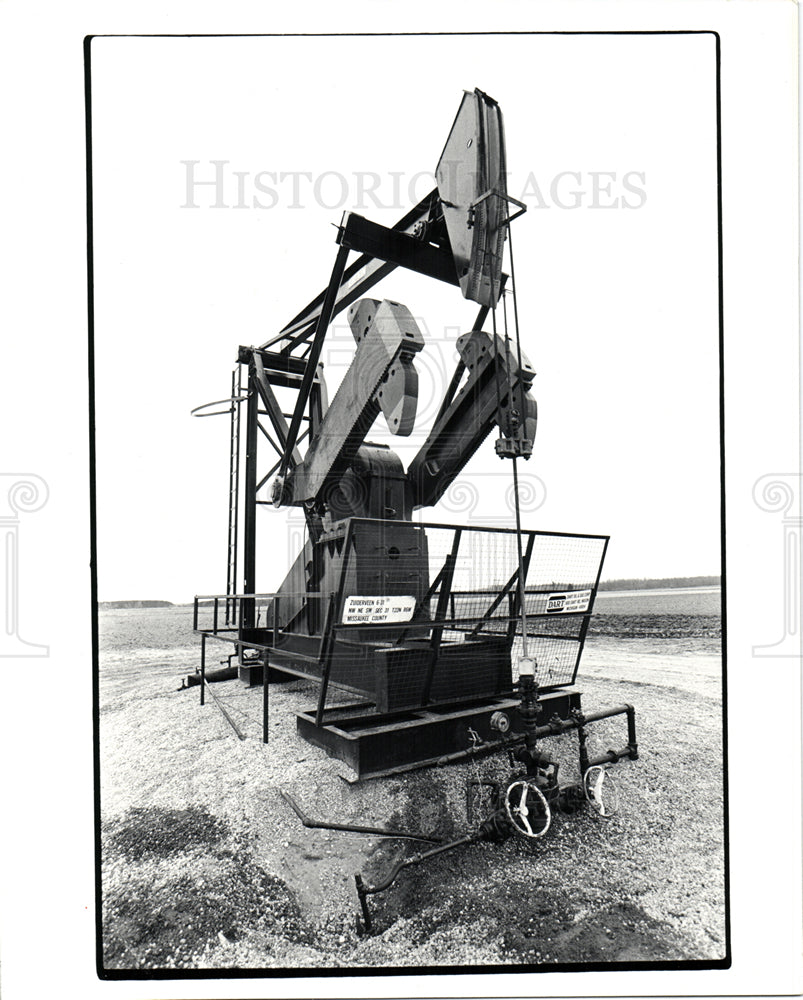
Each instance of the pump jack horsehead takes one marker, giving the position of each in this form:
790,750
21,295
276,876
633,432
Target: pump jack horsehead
395,610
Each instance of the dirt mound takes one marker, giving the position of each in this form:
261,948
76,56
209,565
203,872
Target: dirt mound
179,883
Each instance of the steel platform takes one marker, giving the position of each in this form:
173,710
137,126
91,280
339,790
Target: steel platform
376,746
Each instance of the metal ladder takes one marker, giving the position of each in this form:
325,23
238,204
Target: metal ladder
234,497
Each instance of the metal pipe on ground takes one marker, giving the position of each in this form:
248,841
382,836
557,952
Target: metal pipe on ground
223,712
224,674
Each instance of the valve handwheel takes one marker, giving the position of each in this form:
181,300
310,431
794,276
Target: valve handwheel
600,791
527,808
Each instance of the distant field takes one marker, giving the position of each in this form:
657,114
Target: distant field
668,601
161,640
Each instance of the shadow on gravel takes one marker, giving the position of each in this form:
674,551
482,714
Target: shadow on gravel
177,882
163,832
621,932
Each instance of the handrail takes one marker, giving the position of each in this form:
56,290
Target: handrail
322,593
217,402
240,597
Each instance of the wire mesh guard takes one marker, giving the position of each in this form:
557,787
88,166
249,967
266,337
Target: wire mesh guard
561,573
413,614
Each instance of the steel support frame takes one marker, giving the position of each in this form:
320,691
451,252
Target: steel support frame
358,278
440,613
249,500
399,249
312,359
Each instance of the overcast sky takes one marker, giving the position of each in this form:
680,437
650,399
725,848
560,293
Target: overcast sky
611,142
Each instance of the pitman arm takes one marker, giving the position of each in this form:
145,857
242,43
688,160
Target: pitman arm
496,386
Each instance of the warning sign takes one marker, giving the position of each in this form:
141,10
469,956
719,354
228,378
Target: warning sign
568,602
377,610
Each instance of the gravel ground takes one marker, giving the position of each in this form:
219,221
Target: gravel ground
206,867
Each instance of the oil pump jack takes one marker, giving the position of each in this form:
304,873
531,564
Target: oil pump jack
456,640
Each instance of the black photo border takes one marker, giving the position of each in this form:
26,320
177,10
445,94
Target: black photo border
312,972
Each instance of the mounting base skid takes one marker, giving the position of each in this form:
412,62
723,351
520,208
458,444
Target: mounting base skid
376,745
